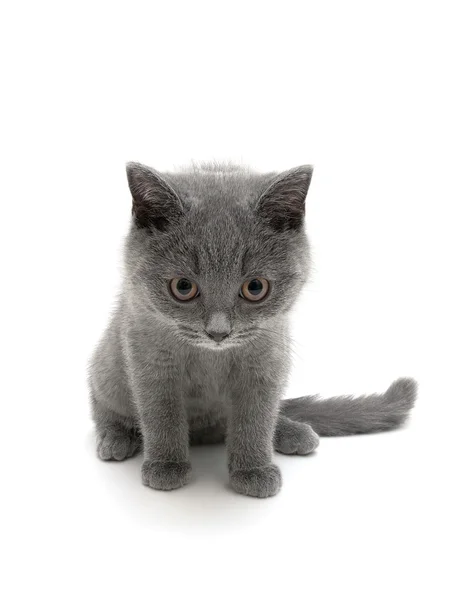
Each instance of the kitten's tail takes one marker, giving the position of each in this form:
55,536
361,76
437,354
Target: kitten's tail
344,415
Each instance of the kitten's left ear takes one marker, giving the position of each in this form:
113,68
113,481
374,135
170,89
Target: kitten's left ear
282,204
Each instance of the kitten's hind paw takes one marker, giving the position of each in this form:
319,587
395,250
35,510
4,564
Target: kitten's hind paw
261,483
292,437
118,444
165,475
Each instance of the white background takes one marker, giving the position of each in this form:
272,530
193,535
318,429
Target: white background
367,91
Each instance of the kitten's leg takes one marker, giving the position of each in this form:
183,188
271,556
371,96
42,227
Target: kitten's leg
117,436
159,398
250,436
250,446
292,437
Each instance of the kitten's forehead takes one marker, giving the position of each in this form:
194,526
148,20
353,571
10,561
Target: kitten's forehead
221,240
220,231
220,221
217,185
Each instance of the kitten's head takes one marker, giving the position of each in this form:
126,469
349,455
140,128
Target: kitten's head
217,252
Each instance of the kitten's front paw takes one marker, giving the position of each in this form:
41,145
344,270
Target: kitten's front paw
165,475
262,482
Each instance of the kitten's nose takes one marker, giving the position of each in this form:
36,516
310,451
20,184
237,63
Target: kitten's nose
218,327
217,336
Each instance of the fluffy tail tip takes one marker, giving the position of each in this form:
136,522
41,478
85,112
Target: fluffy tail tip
402,395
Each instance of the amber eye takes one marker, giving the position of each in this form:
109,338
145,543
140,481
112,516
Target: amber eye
254,289
184,289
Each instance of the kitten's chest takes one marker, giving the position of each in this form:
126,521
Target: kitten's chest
205,380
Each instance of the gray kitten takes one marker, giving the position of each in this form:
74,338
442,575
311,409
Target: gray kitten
197,350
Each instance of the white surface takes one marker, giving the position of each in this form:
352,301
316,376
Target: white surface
366,92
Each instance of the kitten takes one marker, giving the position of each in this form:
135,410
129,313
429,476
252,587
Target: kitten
197,350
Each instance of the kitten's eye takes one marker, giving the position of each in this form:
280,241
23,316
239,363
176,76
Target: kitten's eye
254,289
184,289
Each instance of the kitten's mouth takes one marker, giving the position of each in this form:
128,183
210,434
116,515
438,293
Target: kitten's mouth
202,339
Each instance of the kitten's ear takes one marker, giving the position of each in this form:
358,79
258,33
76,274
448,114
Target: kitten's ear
154,202
282,203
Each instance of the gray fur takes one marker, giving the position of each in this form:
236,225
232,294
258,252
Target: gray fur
345,415
168,374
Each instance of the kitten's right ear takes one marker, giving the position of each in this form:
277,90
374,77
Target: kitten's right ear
282,204
154,202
